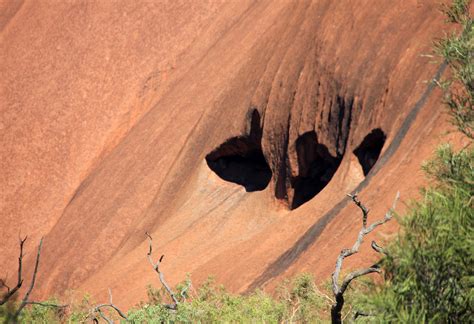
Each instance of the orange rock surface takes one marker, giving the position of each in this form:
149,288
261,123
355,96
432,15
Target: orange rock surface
229,130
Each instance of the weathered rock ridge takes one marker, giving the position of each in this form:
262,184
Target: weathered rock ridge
231,131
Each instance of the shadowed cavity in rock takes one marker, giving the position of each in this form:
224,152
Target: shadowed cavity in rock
369,150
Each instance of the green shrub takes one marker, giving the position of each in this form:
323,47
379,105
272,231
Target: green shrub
298,300
431,269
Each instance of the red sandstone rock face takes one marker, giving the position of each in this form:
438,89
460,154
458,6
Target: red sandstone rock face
121,118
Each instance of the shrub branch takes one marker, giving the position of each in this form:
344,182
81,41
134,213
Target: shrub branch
156,267
338,291
98,310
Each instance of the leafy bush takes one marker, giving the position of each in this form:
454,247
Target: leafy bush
212,304
431,269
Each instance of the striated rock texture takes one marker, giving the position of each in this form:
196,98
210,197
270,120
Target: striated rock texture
229,130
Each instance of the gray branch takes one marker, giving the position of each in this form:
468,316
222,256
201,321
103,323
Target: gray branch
98,309
156,267
339,290
353,275
378,248
25,301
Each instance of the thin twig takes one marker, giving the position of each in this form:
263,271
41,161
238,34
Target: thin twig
365,210
11,292
185,290
98,309
356,274
3,283
295,309
156,267
378,248
361,313
44,304
24,302
347,314
323,294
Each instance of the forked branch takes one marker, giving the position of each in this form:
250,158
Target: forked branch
99,310
25,301
338,291
156,267
11,292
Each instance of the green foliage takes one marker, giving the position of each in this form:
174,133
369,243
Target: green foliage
431,271
457,50
43,315
298,300
79,312
33,313
304,302
457,12
211,303
450,169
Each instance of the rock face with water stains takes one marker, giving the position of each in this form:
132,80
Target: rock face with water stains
231,131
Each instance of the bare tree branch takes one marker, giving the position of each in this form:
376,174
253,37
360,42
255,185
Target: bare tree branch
378,248
98,310
338,291
356,274
156,267
45,304
3,283
24,302
365,210
361,313
11,292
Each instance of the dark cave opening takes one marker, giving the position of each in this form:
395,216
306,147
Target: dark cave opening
240,159
369,150
316,168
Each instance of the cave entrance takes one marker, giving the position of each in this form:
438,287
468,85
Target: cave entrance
369,150
316,167
240,159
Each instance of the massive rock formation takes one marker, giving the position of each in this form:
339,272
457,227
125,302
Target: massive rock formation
229,130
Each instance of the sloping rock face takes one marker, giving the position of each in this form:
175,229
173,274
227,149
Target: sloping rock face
230,131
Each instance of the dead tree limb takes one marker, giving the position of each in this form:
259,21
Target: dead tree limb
24,302
338,291
11,292
98,310
45,304
378,248
360,314
156,267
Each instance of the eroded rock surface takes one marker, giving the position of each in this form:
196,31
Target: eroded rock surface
229,130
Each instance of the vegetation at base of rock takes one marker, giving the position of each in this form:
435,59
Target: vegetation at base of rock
297,300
